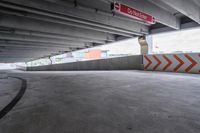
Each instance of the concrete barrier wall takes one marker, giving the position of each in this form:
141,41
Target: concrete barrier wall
120,63
187,63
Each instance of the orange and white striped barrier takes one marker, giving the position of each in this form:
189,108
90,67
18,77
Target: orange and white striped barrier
188,63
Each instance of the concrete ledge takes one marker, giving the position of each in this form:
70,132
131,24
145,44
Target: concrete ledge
119,63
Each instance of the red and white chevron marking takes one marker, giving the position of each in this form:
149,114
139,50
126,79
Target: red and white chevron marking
189,63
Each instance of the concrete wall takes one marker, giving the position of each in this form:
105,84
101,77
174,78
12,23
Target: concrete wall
186,63
120,63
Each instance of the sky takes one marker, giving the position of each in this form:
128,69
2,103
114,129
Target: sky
6,66
184,40
129,46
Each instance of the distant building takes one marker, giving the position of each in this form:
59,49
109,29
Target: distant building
93,54
104,53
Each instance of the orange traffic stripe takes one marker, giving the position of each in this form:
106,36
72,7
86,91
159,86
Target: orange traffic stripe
158,64
191,65
149,62
180,63
168,64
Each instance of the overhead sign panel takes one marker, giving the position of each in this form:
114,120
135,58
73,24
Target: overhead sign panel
133,13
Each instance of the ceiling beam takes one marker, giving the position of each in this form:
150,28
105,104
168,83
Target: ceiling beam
64,22
14,45
168,29
102,7
186,7
78,15
25,48
49,35
25,55
23,23
39,44
14,60
161,15
31,38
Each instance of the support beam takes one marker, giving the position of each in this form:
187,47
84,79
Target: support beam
7,45
27,38
25,52
67,23
22,23
100,6
25,48
29,53
186,7
25,55
143,45
48,35
77,15
167,29
161,15
38,44
13,60
50,60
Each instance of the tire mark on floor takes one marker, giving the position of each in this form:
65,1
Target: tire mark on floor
16,99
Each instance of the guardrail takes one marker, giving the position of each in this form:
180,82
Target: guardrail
185,63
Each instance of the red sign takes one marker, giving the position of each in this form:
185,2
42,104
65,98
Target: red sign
133,13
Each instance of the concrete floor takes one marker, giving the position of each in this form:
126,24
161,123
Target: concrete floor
106,102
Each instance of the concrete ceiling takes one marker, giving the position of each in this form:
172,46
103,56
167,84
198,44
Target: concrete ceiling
30,29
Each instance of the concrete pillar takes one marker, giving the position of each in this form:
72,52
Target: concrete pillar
145,44
50,60
26,64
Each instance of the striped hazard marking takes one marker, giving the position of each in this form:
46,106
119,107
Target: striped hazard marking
180,63
199,56
169,62
173,62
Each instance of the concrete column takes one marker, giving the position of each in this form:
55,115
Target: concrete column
26,63
145,44
50,60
